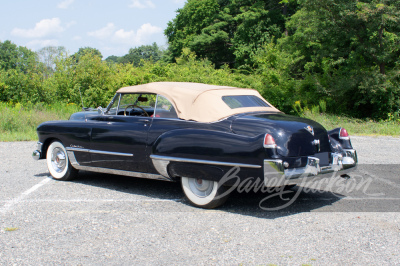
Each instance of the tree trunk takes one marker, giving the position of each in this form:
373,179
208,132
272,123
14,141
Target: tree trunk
382,68
284,11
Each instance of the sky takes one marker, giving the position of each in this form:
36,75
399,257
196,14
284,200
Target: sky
113,27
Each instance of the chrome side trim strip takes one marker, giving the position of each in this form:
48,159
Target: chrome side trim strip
76,149
100,152
76,165
112,153
121,172
184,160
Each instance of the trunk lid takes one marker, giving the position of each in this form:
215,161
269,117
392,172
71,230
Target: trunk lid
294,136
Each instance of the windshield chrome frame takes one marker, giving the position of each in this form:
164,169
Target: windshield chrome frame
117,95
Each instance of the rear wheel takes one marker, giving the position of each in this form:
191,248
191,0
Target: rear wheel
204,193
58,163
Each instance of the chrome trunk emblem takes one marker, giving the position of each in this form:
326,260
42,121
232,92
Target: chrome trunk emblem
310,129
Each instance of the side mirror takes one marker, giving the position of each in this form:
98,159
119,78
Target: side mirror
100,110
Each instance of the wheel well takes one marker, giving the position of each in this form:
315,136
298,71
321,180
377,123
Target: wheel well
46,145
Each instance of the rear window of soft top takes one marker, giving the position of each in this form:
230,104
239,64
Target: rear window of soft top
240,101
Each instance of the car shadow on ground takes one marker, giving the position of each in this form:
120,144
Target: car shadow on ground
43,174
271,204
279,202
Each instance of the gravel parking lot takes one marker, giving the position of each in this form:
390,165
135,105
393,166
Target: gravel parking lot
105,219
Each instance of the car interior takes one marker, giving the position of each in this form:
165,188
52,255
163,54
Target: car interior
146,105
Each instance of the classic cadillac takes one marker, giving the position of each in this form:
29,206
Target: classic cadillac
196,134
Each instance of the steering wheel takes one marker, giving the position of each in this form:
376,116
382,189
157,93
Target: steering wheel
134,106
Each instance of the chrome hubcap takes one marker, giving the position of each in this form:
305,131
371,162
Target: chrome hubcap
201,188
58,160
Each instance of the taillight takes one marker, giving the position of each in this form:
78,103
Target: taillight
343,134
269,141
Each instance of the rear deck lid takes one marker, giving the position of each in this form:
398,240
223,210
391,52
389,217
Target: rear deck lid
294,136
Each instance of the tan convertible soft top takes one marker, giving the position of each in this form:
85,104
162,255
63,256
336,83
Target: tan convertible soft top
197,101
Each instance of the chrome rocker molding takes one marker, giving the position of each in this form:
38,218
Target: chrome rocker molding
341,165
77,166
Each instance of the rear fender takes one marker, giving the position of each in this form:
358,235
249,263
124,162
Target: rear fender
206,154
337,142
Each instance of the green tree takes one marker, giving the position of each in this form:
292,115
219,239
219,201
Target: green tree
188,23
84,51
112,59
90,76
20,74
347,54
16,57
49,55
144,52
227,32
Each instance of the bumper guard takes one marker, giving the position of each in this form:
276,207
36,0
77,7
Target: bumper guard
37,154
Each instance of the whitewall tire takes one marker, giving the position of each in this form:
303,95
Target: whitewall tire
58,163
204,193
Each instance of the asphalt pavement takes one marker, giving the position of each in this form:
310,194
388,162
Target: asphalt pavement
101,219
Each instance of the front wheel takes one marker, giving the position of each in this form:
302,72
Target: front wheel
204,193
58,163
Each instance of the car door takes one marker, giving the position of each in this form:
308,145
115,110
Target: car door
118,139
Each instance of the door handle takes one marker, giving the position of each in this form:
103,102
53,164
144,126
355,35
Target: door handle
109,120
145,121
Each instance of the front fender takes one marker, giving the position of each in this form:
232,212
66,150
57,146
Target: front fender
75,133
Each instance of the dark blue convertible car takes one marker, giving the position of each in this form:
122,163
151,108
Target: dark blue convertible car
196,134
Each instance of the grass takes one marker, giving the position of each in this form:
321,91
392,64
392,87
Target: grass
18,122
356,126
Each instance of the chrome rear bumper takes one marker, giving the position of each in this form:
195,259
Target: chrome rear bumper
339,165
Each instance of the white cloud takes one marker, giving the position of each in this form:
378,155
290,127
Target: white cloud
43,28
179,1
146,30
65,4
122,36
77,38
103,33
37,44
142,4
71,23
